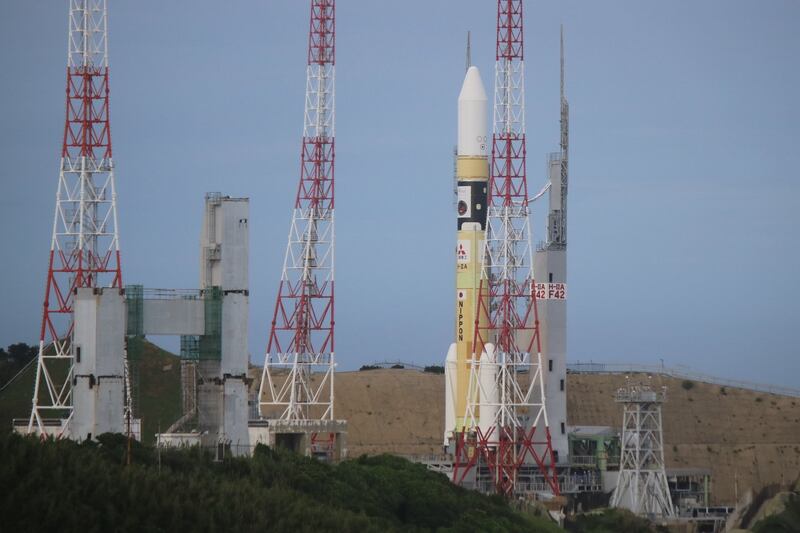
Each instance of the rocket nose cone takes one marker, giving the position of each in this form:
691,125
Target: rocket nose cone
472,116
472,89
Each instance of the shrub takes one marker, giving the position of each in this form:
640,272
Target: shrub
687,384
275,490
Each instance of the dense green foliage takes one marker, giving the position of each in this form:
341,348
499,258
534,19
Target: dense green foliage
786,521
65,486
610,521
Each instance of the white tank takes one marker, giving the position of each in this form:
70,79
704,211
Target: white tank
450,376
490,395
472,116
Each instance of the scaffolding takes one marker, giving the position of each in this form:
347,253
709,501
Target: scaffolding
210,343
134,335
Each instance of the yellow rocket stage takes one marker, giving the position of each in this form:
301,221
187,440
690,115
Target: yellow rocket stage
472,171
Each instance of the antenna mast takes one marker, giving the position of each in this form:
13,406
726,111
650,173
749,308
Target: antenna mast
469,53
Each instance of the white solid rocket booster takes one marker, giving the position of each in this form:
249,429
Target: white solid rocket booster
489,394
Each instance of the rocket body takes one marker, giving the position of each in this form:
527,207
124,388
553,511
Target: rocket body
472,172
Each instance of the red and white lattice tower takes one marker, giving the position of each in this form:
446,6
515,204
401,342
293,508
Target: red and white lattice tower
518,434
84,250
297,381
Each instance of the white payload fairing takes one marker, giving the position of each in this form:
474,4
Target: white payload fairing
472,172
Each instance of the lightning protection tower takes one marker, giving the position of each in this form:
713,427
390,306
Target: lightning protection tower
297,382
642,483
84,249
518,434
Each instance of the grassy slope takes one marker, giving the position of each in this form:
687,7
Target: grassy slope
159,403
15,401
159,398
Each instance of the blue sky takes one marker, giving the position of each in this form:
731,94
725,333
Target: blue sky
683,188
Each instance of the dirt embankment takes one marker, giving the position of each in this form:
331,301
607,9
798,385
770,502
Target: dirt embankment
748,439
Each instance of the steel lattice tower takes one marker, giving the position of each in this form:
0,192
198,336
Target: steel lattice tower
642,484
84,249
507,316
297,381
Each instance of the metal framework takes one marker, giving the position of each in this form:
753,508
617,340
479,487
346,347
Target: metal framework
642,484
84,249
557,220
297,381
507,316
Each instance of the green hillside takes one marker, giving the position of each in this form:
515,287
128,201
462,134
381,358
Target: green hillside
158,392
158,395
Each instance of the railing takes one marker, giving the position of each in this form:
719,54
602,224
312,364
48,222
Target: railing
171,294
428,458
640,394
583,460
678,372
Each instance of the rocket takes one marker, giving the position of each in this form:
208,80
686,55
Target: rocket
472,173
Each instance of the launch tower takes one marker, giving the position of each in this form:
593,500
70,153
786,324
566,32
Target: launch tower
506,321
550,265
84,248
297,389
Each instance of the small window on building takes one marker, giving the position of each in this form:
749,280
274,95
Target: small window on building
550,365
555,456
562,384
77,354
563,428
551,277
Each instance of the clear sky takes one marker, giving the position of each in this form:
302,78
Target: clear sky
683,180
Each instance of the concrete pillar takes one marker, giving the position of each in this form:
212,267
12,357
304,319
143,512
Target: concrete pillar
98,391
224,263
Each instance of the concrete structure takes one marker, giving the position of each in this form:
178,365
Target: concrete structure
98,370
98,378
642,484
213,326
222,382
212,322
550,268
323,439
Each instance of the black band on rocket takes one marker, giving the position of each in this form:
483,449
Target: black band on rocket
471,204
